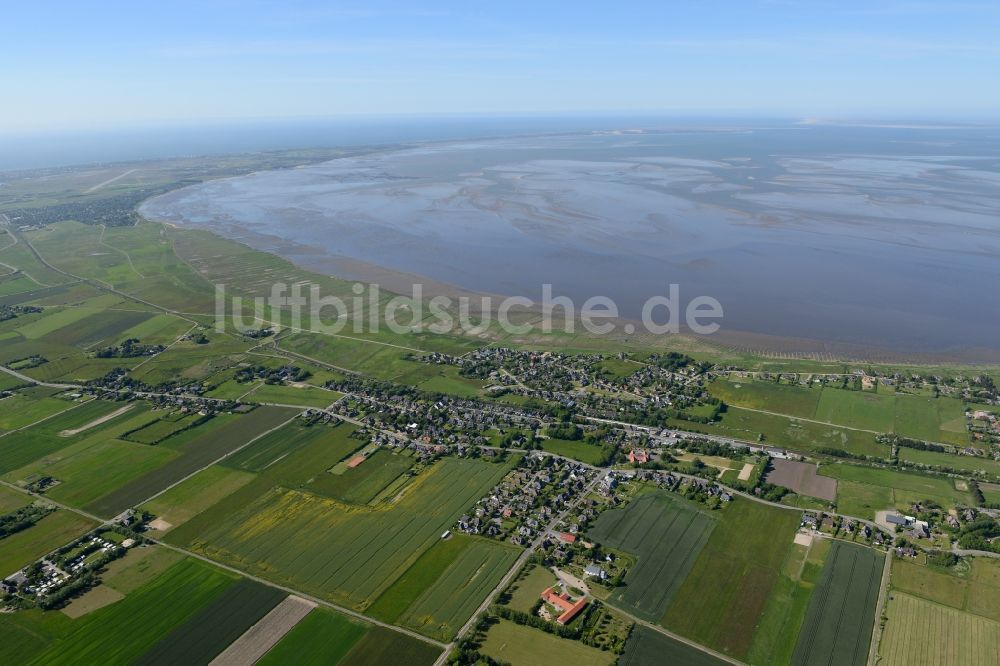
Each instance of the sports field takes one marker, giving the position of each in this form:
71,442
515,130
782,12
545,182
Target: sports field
838,626
666,534
723,597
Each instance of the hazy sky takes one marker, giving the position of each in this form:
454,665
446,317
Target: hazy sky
79,64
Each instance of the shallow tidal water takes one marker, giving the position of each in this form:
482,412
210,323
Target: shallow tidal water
852,237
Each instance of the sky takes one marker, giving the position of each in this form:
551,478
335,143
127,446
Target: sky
110,64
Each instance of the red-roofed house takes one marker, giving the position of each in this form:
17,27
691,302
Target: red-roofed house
566,537
640,456
570,608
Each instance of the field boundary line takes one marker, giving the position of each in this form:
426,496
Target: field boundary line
883,594
220,459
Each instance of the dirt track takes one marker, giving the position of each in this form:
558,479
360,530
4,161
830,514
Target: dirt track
261,637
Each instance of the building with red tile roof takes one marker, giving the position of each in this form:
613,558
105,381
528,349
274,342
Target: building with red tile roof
565,603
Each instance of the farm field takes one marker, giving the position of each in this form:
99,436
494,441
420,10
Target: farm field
723,597
220,622
918,417
452,599
196,494
923,633
646,647
428,568
347,554
779,398
26,446
780,624
363,483
308,396
789,432
519,645
30,405
801,478
322,637
528,588
123,631
195,453
968,463
666,535
991,491
865,485
578,450
838,626
329,444
120,462
11,500
52,531
857,409
977,592
162,428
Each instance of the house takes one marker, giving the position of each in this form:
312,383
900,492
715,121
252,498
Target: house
565,603
896,519
638,456
566,537
594,571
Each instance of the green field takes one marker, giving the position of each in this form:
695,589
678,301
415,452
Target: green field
11,500
769,396
647,647
123,631
452,599
54,530
26,446
666,534
210,631
785,611
307,396
857,409
345,553
723,597
363,483
198,493
977,592
428,568
159,430
321,637
931,419
330,445
789,432
197,452
968,463
577,450
838,626
518,645
30,405
529,587
922,633
867,489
